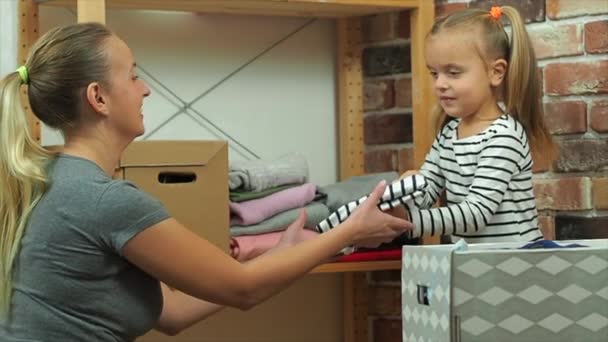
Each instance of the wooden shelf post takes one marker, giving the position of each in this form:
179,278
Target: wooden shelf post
27,35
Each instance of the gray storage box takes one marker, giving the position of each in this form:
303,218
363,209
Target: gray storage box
497,292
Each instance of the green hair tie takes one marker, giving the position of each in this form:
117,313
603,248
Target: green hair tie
22,70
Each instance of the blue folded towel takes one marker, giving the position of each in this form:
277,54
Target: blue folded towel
548,244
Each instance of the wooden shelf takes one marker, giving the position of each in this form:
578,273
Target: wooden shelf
363,266
299,8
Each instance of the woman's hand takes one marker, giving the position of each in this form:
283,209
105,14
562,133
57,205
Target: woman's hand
373,226
294,234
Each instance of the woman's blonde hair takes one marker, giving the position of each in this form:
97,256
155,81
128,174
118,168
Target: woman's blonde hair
60,66
522,93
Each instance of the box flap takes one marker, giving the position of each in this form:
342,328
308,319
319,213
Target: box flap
171,152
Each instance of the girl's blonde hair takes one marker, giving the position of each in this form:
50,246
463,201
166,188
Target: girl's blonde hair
522,93
60,66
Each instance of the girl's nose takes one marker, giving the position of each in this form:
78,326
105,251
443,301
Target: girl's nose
441,83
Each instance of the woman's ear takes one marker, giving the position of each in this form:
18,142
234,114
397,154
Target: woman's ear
96,98
498,72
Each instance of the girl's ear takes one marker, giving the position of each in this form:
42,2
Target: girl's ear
498,72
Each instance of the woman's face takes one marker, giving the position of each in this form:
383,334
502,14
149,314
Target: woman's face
126,91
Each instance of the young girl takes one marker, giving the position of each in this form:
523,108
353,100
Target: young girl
482,156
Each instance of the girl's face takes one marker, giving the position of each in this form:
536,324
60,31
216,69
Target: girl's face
127,91
463,80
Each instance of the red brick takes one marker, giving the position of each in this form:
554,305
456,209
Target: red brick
386,60
379,27
570,227
403,25
565,40
600,193
573,8
387,330
576,78
385,300
405,160
378,95
566,117
596,37
599,116
582,155
563,193
403,92
547,226
541,165
380,161
445,9
387,128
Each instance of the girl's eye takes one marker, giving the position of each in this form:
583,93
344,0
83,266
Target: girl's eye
433,74
454,73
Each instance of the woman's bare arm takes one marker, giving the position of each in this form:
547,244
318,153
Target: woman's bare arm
183,260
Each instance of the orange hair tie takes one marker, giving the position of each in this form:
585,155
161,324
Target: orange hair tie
496,12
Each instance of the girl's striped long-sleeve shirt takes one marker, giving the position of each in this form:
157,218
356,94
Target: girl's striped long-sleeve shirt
488,182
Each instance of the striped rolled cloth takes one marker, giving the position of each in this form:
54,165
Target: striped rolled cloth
400,192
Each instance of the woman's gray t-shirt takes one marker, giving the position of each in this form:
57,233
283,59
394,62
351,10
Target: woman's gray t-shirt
70,281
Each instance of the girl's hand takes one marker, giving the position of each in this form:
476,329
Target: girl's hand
372,226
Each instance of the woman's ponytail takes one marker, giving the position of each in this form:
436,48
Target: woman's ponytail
22,178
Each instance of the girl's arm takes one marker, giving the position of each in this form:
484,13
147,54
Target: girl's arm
433,175
183,260
499,160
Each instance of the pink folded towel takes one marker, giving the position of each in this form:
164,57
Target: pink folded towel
257,210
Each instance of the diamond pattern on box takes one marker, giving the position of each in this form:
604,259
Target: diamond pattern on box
476,326
495,296
553,265
461,296
474,268
555,323
603,293
594,322
592,264
574,293
504,294
426,279
514,266
534,294
516,324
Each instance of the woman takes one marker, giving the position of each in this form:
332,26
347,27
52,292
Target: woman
86,257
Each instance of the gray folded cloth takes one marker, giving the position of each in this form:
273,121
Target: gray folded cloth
258,175
315,211
341,193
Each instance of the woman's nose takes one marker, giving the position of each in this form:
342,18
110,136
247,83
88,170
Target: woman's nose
147,90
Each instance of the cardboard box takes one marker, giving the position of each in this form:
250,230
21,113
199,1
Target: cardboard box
189,177
497,292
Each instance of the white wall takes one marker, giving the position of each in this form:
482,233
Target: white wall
8,37
281,103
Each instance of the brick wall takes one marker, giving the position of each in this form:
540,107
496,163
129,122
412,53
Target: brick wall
571,41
